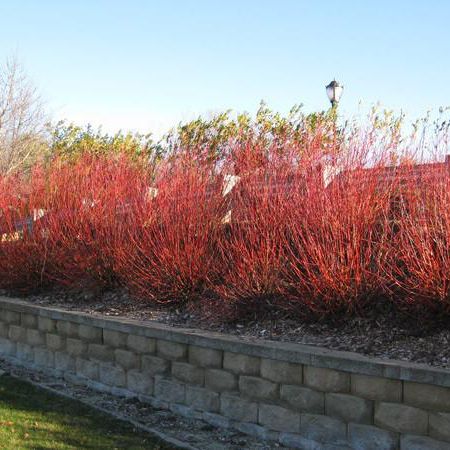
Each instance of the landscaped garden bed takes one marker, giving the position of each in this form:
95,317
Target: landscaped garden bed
303,234
308,221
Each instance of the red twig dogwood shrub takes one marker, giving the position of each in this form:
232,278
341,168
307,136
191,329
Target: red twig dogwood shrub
419,257
337,235
251,245
170,253
326,223
297,240
21,241
275,177
87,206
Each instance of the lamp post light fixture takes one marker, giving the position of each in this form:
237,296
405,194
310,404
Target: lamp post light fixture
334,92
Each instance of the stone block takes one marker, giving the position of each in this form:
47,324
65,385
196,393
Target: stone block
278,418
17,333
327,380
118,391
205,357
46,324
413,442
173,351
100,352
256,430
139,382
87,369
258,388
154,365
427,396
127,359
55,341
74,379
169,391
401,418
439,426
281,372
303,399
294,440
7,347
115,339
188,373
35,338
29,320
66,328
237,408
220,380
4,329
141,344
323,429
376,388
112,375
76,347
202,399
241,364
216,420
64,362
349,408
185,411
44,357
367,437
24,352
10,317
90,333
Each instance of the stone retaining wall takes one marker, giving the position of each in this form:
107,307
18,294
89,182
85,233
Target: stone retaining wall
300,396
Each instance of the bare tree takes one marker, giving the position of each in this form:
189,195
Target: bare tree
22,119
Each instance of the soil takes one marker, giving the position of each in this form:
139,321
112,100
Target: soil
384,332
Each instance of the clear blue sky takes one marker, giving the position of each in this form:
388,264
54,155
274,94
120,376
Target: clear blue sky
147,64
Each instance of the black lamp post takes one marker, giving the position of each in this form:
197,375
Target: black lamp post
334,92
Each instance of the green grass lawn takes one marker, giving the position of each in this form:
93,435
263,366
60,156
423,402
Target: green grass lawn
32,418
